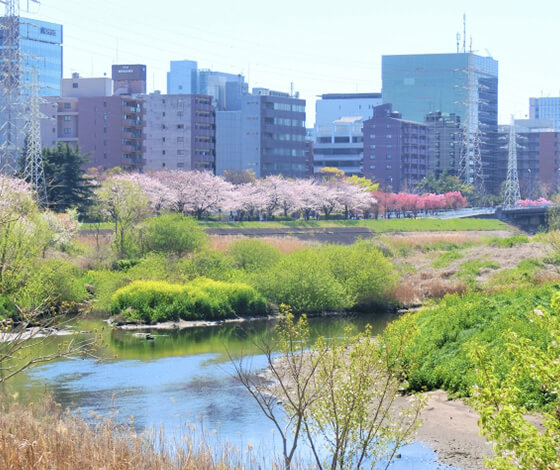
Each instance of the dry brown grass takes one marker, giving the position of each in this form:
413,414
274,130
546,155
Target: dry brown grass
45,438
284,244
413,289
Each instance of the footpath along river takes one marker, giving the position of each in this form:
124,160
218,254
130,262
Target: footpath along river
184,377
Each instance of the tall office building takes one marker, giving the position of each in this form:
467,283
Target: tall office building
267,135
464,84
30,57
226,89
333,106
546,108
340,144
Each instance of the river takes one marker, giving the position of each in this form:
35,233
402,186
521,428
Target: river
184,377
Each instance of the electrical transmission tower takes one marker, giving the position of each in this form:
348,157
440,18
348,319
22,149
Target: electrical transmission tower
511,190
20,128
470,163
10,79
33,170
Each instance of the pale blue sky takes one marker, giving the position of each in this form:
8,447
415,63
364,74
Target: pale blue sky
322,46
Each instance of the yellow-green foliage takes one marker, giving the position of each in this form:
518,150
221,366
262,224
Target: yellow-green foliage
153,301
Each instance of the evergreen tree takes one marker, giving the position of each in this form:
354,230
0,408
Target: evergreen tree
67,184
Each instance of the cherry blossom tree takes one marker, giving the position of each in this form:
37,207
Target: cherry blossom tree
309,197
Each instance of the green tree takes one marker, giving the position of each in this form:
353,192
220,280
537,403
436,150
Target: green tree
67,184
340,395
444,183
124,203
172,233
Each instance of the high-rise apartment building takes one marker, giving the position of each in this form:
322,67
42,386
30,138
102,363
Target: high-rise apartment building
395,150
108,128
464,84
445,138
267,135
179,132
546,108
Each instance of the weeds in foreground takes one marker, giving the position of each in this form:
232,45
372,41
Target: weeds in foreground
44,437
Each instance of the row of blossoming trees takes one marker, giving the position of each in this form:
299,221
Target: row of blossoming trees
201,194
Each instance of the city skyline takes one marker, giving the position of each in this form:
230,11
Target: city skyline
319,50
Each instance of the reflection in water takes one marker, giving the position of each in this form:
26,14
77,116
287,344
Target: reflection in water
185,377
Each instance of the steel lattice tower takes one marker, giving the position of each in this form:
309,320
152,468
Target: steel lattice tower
33,170
512,193
10,78
470,163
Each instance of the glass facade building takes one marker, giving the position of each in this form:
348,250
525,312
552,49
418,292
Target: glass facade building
417,85
546,108
41,47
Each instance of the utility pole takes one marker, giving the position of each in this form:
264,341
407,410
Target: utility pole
511,190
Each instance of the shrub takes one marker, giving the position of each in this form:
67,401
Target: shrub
153,301
253,255
212,263
304,280
364,272
172,233
55,281
105,283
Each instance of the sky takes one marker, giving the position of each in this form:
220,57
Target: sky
321,47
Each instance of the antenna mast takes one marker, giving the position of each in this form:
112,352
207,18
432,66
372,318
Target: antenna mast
464,32
511,190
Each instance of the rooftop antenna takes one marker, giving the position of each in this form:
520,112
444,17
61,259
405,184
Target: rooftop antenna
458,41
464,32
470,46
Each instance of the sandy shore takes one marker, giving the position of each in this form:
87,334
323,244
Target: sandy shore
450,428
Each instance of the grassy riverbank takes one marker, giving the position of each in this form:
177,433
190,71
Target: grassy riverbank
378,225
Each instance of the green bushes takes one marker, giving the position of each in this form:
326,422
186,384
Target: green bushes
172,233
508,242
438,356
304,281
253,255
329,278
153,301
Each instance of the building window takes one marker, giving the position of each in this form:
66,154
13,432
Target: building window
372,146
105,156
180,140
67,105
388,156
180,153
67,131
389,136
104,130
180,126
180,114
104,104
389,166
74,85
372,167
163,139
67,118
163,153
